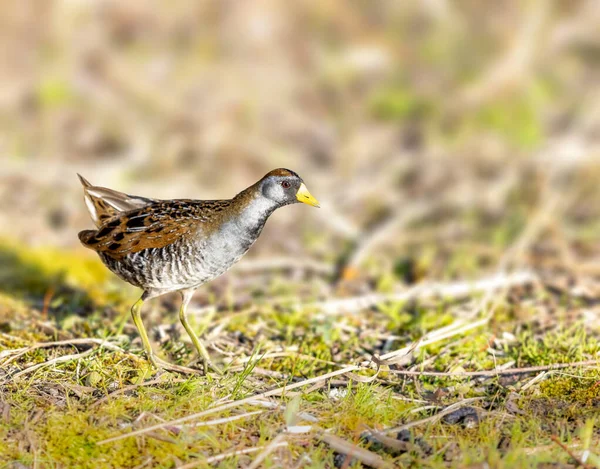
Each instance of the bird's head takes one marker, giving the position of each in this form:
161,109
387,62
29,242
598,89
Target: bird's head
285,187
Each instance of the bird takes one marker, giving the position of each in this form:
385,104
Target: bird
164,246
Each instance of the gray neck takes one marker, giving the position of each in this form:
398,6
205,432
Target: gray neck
253,217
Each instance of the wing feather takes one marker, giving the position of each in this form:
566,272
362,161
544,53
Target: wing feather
153,226
104,204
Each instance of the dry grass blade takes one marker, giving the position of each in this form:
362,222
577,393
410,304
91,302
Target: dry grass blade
276,443
436,417
228,454
54,361
133,387
497,372
578,460
393,443
457,328
13,354
233,418
352,451
424,291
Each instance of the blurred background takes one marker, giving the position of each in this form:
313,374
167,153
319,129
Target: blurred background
446,140
431,131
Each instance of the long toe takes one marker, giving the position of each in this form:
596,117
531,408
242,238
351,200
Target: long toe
209,365
164,365
154,361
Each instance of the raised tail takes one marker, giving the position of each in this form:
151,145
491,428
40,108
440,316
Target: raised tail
104,204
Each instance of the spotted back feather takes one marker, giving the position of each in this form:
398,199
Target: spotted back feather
153,226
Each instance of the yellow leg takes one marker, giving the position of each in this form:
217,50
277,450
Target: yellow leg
186,297
136,310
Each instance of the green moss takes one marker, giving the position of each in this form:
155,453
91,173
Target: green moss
516,119
37,270
53,93
398,104
561,346
581,390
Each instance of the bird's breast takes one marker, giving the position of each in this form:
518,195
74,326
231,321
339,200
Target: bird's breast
226,246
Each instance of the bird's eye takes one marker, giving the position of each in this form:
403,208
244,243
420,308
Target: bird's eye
285,184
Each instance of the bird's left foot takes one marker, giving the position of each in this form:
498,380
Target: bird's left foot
164,365
208,365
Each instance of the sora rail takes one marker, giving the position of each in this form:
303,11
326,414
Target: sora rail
162,246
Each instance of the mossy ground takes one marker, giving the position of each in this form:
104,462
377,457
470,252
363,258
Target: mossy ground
56,415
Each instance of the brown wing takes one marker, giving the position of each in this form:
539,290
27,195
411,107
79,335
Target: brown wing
154,226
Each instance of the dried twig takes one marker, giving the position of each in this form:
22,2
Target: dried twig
570,453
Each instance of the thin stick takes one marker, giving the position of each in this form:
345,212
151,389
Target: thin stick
435,336
233,418
64,358
226,455
351,450
570,453
132,387
422,291
509,371
268,450
284,355
23,350
434,418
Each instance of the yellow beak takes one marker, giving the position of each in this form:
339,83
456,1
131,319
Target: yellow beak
304,196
